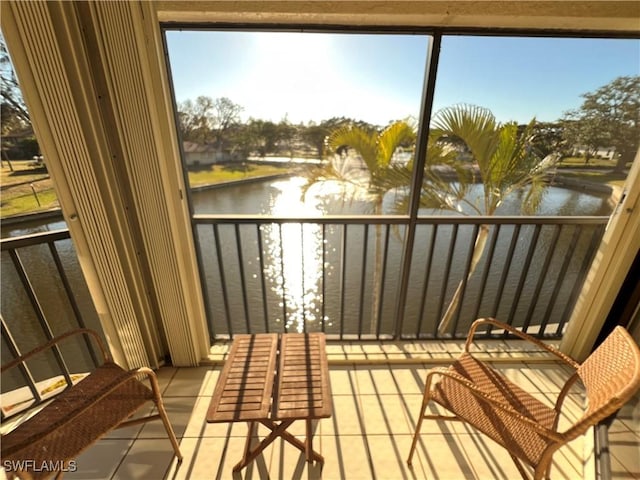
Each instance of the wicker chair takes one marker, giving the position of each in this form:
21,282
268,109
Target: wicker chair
80,415
524,426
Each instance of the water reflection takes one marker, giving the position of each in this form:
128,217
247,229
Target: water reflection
293,276
295,250
555,202
299,261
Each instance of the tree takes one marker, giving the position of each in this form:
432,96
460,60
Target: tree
267,133
316,134
207,120
375,149
547,138
287,136
196,119
608,117
16,129
12,101
506,163
501,155
225,115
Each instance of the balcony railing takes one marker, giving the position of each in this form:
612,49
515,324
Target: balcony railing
361,277
344,276
43,295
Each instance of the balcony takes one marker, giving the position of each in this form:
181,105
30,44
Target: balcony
92,70
377,386
376,402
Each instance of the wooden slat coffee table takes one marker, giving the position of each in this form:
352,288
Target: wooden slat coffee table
274,379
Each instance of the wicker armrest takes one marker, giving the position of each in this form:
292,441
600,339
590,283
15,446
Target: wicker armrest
524,336
151,375
106,357
487,397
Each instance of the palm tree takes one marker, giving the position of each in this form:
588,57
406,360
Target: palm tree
505,163
502,158
376,150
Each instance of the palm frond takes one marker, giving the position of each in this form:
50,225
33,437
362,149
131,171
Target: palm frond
476,126
361,140
392,177
438,152
513,166
390,139
535,194
325,173
506,164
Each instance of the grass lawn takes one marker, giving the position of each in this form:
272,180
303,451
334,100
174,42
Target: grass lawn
227,173
19,185
22,172
28,203
18,197
603,177
578,162
597,170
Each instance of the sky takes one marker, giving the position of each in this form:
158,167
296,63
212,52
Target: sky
380,78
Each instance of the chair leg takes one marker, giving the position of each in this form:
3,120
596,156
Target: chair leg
157,399
169,429
425,400
543,469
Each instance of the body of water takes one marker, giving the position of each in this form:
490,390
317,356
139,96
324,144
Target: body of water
293,275
286,197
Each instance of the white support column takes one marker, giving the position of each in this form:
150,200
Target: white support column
618,249
124,43
99,105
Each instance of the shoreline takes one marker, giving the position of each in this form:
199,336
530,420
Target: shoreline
558,181
231,183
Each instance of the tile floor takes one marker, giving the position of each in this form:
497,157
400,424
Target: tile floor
624,442
368,437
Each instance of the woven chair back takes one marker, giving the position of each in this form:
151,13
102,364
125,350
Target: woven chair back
611,376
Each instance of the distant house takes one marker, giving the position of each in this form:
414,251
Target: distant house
203,154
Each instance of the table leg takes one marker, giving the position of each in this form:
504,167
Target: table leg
294,441
247,444
276,431
308,441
